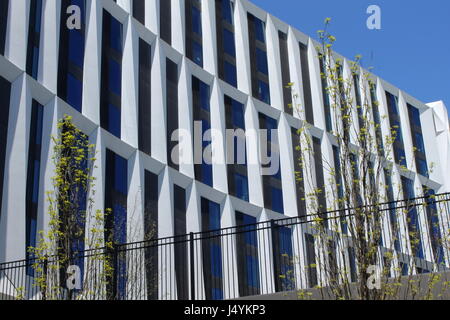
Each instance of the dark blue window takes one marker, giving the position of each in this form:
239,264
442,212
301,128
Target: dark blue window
214,216
216,256
33,176
247,255
74,92
34,36
419,142
111,82
228,42
238,114
115,35
81,5
260,28
283,258
35,187
434,226
217,294
340,187
116,194
405,268
272,185
34,69
422,167
230,73
115,77
397,127
196,21
412,218
237,171
277,200
392,210
252,272
241,185
207,174
197,53
258,56
212,250
204,96
352,260
414,116
71,57
417,138
393,103
193,24
264,91
114,122
261,61
201,102
399,153
271,124
376,119
76,48
227,11
394,119
325,95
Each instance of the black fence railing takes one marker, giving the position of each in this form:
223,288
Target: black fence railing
239,261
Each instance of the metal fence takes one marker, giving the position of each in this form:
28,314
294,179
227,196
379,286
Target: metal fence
246,260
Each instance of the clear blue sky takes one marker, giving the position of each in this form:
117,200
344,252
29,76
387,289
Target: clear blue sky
411,51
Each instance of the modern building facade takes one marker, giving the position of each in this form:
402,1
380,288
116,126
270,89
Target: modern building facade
136,71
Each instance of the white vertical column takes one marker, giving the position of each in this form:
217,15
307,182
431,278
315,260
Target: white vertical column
15,173
92,61
186,118
316,86
218,127
274,65
287,168
130,85
242,49
209,36
178,25
152,15
255,186
17,33
49,47
158,118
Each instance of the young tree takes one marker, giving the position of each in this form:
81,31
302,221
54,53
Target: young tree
356,230
77,242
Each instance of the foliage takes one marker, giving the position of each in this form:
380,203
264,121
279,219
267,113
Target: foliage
357,187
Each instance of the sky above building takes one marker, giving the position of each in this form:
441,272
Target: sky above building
410,51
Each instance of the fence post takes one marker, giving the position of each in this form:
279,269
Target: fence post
45,276
192,263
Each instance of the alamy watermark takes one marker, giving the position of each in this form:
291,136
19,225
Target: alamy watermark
74,278
74,19
374,280
374,20
208,147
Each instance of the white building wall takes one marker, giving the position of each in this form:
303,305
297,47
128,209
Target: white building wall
434,117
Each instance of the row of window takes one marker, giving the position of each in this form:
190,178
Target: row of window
70,89
116,193
71,62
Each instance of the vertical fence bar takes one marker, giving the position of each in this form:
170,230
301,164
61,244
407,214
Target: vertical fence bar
191,263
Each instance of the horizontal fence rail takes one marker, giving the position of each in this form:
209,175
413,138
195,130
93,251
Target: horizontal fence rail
229,263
